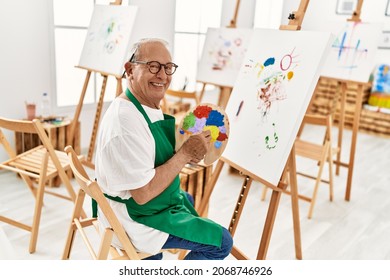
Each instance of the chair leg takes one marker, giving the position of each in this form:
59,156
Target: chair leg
38,206
330,160
264,192
69,241
318,181
72,229
105,245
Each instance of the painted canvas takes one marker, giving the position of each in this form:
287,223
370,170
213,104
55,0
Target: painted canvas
353,51
106,45
223,52
270,97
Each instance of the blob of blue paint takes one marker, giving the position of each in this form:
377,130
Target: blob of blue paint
215,118
181,131
217,144
269,61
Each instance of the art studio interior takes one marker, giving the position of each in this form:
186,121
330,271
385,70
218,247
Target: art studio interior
293,95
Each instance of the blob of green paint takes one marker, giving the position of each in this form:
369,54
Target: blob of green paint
189,121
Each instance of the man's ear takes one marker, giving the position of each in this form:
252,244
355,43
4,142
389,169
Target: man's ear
128,68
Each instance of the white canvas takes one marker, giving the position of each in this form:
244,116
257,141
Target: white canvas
107,42
223,52
270,97
353,51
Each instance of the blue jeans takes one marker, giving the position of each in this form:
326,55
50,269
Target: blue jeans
198,251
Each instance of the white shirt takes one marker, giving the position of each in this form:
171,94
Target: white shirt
124,161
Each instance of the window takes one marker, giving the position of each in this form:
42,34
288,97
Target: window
191,23
71,21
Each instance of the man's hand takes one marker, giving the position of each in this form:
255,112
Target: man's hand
196,146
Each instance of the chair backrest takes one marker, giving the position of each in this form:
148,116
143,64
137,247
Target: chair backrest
16,126
24,126
318,120
92,189
34,127
181,94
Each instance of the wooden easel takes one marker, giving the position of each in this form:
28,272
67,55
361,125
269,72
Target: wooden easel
295,22
88,161
355,128
224,91
342,87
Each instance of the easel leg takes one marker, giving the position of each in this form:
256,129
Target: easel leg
237,214
294,204
343,88
209,188
224,96
269,224
97,119
355,128
73,125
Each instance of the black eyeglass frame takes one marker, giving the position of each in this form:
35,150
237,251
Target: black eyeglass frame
174,66
148,62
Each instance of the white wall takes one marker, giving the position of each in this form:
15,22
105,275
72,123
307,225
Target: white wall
25,62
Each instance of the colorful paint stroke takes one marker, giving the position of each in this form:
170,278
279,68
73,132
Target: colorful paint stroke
222,55
109,34
272,75
107,42
353,50
205,118
271,140
227,53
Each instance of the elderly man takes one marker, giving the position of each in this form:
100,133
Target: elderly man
137,166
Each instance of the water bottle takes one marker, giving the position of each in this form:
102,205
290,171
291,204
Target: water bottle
45,106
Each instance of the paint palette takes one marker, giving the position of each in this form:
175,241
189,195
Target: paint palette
204,117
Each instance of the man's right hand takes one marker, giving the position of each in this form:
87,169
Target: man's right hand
196,146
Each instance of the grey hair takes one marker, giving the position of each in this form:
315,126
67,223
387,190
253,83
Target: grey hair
136,46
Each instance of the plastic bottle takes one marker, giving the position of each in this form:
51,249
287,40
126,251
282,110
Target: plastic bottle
45,106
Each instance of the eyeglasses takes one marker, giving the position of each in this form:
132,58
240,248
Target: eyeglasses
155,66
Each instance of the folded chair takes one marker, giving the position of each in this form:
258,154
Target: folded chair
36,167
320,152
92,189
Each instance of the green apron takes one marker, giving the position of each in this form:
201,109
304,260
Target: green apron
171,211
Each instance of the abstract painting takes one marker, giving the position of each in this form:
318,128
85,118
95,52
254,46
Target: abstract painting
106,45
270,97
223,52
353,51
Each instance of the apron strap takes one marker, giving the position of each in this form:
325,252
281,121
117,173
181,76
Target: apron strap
95,204
138,105
94,208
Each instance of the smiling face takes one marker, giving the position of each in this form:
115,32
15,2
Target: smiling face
149,88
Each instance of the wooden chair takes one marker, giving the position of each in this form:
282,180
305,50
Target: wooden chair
173,103
92,189
36,167
321,152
